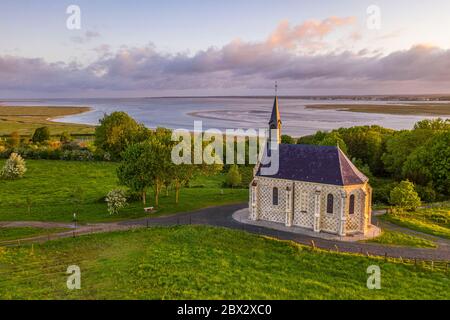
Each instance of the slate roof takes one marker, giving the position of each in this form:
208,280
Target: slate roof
320,164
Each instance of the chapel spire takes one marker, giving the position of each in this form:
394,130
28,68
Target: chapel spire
275,119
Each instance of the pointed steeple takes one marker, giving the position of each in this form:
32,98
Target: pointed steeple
275,119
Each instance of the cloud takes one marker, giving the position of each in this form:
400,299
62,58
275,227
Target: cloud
287,36
88,36
236,66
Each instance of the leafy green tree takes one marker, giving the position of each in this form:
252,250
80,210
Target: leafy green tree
135,169
334,139
41,135
117,131
438,124
234,177
367,143
405,196
439,153
286,139
146,164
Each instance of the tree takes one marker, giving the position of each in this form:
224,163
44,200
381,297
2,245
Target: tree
405,196
14,167
433,124
41,135
116,200
286,139
146,164
118,131
439,155
234,177
134,170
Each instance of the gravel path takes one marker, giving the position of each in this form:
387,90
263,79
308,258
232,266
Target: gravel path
222,217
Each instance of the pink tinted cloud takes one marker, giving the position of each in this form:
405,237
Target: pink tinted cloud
288,37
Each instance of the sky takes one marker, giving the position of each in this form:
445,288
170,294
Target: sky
203,47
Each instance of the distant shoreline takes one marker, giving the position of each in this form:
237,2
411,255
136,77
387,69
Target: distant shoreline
416,109
25,119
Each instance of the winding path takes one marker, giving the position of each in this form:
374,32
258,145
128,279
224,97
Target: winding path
222,217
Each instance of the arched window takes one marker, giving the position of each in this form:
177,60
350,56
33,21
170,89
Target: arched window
275,196
351,209
330,202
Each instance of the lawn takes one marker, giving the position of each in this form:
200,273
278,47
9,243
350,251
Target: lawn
51,185
198,262
7,234
25,120
395,238
434,220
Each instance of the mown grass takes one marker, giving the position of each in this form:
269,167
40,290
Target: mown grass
25,120
198,262
434,220
395,238
51,185
25,232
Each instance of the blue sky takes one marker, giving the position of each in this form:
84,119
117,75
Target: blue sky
166,30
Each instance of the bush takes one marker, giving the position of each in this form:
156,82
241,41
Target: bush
14,167
41,135
116,200
405,196
234,177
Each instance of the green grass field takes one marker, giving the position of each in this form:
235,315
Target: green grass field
197,262
25,120
434,221
394,238
50,186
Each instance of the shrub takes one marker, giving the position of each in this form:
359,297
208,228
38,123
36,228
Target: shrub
116,200
234,177
41,135
405,196
14,167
